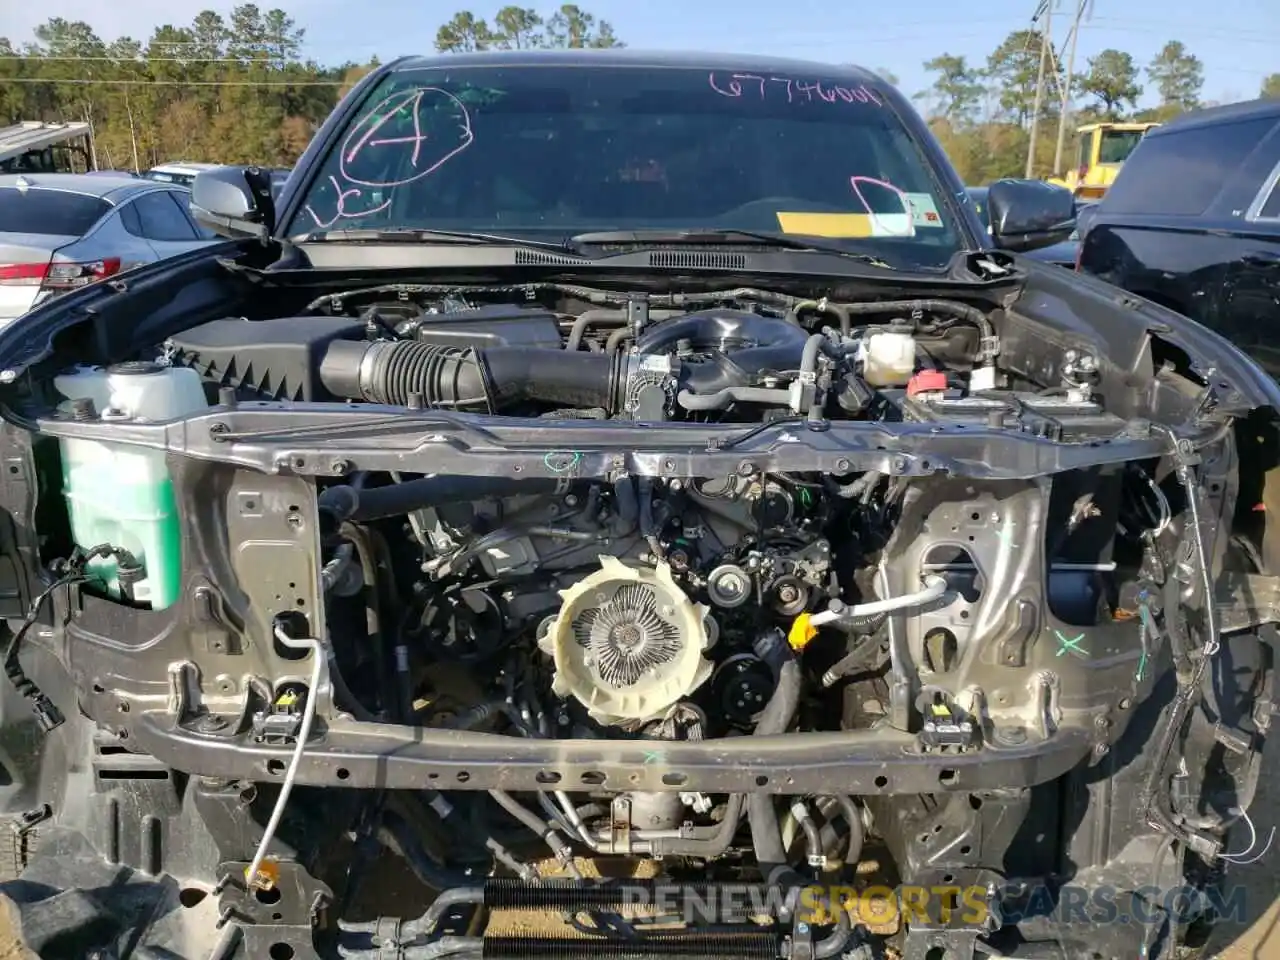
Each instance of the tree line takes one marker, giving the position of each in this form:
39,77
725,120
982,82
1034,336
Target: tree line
232,89
237,89
983,113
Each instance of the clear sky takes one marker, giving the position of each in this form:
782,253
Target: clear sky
1237,40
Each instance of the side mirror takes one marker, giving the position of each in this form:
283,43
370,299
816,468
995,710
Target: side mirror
1029,214
234,202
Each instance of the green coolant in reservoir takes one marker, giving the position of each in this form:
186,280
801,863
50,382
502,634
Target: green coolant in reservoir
140,517
121,495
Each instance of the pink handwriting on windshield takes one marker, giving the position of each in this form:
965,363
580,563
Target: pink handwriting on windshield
439,128
793,90
910,231
346,204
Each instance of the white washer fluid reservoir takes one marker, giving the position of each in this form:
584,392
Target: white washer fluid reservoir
120,494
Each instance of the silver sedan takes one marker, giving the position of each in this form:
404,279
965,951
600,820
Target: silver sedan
59,231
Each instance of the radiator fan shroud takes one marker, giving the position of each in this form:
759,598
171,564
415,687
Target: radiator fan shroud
628,643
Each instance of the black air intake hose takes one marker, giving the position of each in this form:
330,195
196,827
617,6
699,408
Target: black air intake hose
489,380
731,348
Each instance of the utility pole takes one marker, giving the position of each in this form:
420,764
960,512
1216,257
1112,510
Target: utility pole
1083,8
1044,8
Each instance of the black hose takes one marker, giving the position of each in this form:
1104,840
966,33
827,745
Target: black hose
713,844
626,505
857,835
559,849
613,345
376,615
343,696
397,499
648,526
613,317
434,375
728,396
954,308
835,941
586,319
398,832
766,835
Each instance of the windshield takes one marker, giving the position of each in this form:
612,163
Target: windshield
555,151
1118,144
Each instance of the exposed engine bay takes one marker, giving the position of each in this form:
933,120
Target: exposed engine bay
736,584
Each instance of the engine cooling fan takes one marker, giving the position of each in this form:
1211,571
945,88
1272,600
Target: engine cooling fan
627,642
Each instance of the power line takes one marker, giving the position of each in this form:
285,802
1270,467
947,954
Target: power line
1200,34
181,83
1044,8
1083,8
143,58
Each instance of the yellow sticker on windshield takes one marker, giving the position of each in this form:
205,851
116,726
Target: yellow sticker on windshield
826,224
846,225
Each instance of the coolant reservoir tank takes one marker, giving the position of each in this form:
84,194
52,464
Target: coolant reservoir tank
119,494
888,358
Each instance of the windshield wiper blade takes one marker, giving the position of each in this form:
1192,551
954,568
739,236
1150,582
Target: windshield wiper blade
756,237
419,235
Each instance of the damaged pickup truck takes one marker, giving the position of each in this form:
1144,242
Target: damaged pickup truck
606,465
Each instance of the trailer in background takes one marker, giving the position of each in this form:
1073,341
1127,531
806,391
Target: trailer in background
36,147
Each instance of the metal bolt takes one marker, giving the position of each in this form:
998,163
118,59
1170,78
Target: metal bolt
788,593
842,465
210,723
668,464
746,468
339,467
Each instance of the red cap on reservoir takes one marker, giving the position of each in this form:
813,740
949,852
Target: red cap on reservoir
927,381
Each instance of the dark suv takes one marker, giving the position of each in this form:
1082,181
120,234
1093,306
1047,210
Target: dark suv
1193,222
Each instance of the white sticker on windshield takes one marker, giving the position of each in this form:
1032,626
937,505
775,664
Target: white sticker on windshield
924,211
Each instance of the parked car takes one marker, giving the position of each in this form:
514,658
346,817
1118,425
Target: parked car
183,173
1062,254
60,231
1193,223
636,456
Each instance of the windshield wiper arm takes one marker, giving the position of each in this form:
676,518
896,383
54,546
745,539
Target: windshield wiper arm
418,235
755,237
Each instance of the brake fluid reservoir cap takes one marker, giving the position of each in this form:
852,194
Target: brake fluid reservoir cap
927,381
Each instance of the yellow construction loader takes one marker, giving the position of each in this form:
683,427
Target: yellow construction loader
1102,150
